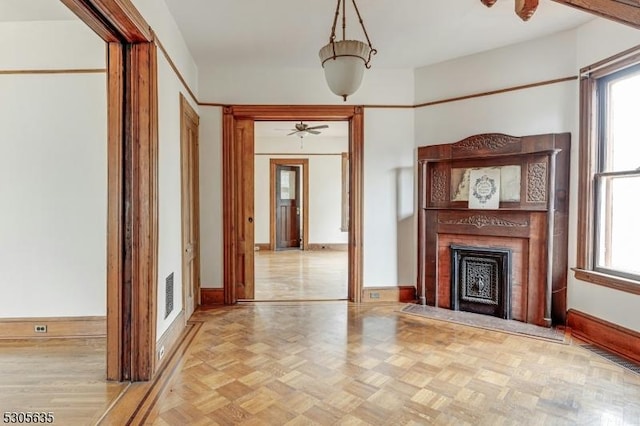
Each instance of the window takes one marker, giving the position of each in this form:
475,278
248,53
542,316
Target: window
609,224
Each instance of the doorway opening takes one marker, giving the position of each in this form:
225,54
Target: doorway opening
302,255
289,204
243,233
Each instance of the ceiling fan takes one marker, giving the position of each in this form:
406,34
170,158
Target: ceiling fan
302,129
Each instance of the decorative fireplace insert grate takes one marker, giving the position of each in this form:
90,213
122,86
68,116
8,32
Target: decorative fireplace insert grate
481,280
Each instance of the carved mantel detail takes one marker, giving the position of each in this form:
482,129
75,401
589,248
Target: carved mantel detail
489,141
537,182
439,186
480,221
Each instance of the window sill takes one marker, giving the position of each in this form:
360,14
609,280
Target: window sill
605,280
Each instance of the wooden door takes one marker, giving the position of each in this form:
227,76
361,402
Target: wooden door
287,207
190,207
244,157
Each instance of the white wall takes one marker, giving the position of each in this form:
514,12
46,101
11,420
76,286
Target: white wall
389,220
389,132
325,185
50,45
211,197
300,86
169,174
545,109
53,172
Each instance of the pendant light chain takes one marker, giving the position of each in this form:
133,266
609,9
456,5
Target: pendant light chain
372,51
332,37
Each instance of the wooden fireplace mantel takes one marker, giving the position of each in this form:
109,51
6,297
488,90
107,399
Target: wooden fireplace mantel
532,222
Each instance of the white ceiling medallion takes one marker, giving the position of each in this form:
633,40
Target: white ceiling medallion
344,61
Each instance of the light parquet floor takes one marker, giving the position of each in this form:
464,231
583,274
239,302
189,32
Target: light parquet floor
336,363
63,376
301,275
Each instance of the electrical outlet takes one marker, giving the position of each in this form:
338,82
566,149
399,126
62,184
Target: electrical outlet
40,328
374,295
160,353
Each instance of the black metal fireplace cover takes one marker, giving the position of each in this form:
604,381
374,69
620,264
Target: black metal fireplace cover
481,280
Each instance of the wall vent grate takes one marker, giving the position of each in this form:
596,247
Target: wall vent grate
168,304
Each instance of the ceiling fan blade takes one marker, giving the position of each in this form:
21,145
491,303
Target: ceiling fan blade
313,132
323,126
293,133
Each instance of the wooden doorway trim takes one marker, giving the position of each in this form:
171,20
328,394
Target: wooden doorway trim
232,184
132,217
304,163
190,167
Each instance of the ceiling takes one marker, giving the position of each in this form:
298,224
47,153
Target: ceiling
278,129
289,33
406,33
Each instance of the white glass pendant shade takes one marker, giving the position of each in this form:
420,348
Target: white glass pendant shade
344,64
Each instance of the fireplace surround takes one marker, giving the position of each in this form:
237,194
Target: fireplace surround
530,220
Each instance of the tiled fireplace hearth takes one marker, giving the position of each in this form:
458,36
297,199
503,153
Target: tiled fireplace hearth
526,235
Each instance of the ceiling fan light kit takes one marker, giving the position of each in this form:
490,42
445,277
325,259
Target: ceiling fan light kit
524,8
344,61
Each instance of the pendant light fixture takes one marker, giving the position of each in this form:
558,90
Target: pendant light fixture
344,61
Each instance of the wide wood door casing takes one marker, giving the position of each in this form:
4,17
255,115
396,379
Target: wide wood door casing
132,216
190,206
244,277
287,207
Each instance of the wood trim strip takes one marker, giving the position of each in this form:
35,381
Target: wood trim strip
291,112
143,244
356,205
327,246
56,71
229,201
125,18
615,10
407,293
606,280
58,327
167,343
610,336
115,213
403,294
498,91
334,154
212,296
611,59
175,68
587,164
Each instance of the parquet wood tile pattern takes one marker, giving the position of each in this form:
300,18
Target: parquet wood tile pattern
301,275
337,363
63,376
